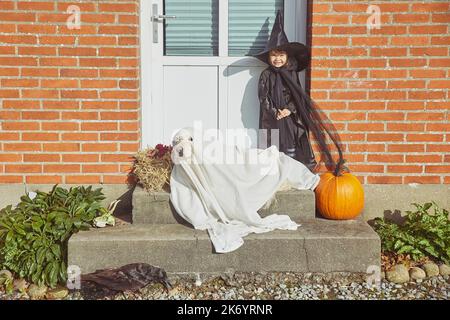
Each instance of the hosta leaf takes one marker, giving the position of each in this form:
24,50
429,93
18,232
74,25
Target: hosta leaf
9,235
431,251
68,223
63,271
427,206
398,244
19,230
37,226
36,218
56,250
405,249
40,255
54,274
78,224
424,242
5,224
49,255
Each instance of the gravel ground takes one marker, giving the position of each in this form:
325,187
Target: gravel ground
281,286
274,286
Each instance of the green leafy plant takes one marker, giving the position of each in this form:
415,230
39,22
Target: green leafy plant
421,234
34,234
7,281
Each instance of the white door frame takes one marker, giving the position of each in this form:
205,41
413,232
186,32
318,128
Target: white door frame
152,61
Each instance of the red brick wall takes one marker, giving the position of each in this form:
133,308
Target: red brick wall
69,99
69,108
387,89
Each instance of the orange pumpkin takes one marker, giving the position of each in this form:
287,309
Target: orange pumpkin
339,196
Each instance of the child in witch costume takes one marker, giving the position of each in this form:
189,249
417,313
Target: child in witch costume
285,106
278,111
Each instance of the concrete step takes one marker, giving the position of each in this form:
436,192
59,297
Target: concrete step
155,208
319,245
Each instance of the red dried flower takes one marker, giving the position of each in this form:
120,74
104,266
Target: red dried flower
159,151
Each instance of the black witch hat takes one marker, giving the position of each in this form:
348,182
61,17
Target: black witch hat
279,41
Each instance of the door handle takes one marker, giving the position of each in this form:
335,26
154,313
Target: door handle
161,17
155,18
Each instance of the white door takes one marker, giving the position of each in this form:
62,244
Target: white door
194,65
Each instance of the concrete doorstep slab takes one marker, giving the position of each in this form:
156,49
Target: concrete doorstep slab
155,208
317,246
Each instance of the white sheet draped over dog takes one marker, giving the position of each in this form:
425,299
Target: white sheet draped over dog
223,197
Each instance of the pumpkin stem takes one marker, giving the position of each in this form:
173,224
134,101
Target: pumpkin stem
339,169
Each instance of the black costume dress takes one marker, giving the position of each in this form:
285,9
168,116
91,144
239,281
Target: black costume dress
293,133
280,88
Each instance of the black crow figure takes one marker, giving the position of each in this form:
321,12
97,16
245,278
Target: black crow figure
130,277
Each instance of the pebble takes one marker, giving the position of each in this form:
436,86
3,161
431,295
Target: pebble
431,269
444,270
416,273
37,292
57,293
398,274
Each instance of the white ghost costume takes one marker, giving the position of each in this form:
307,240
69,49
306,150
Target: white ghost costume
223,197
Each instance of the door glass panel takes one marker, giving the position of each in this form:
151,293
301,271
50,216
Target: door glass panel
250,23
194,31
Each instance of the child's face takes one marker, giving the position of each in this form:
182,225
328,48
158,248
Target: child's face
277,58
